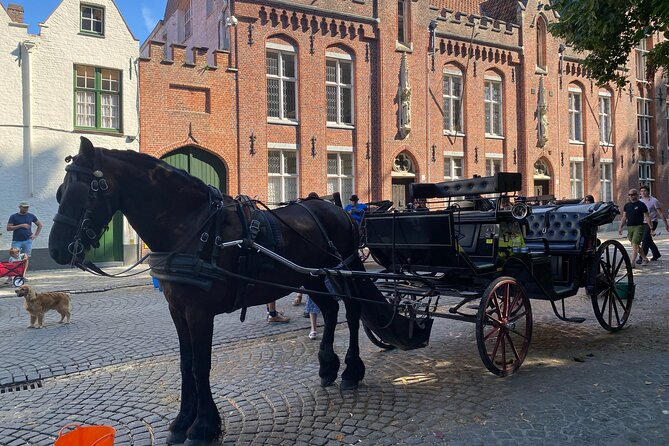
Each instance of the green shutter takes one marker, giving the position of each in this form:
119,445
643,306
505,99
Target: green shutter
111,248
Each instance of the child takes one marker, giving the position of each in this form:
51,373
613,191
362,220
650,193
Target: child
16,256
313,311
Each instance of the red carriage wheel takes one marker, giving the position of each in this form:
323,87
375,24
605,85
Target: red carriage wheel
504,326
611,285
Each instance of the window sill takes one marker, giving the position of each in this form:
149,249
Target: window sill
91,34
402,47
334,125
576,143
539,70
452,133
605,144
113,133
645,147
491,136
282,121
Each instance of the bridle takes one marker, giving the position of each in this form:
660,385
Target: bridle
98,189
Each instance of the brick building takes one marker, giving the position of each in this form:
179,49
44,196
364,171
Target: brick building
277,98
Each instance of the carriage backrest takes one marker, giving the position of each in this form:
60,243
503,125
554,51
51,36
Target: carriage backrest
499,183
562,225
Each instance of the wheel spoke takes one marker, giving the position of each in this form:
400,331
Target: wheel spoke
513,347
494,330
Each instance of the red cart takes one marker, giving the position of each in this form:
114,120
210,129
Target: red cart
14,271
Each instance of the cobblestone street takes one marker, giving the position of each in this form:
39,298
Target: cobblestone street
117,364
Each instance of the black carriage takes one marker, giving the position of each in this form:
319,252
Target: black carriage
481,247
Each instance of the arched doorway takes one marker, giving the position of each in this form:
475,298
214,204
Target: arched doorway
201,164
403,173
542,177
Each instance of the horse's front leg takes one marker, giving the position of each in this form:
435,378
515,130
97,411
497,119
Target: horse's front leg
188,407
327,358
206,429
355,368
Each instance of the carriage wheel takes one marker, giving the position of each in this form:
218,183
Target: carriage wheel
504,326
611,285
375,339
18,281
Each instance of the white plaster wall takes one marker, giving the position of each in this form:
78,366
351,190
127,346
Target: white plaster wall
11,123
59,47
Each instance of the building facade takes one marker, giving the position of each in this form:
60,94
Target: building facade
77,77
364,96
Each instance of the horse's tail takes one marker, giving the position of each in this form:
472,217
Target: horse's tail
390,326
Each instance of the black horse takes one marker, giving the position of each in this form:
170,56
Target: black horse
204,271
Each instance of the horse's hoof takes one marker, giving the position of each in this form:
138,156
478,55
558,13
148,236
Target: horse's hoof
176,437
325,382
348,384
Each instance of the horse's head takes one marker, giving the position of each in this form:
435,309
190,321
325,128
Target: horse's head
87,202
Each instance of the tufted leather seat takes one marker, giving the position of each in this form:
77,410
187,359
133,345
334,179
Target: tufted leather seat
562,230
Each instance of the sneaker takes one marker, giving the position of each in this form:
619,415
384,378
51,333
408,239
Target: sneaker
656,258
638,261
313,335
278,318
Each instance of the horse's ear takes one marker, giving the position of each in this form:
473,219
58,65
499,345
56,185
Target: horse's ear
86,148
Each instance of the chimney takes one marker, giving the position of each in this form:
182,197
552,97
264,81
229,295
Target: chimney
15,12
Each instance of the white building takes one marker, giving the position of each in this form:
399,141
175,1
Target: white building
78,76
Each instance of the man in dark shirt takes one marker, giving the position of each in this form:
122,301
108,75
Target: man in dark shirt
21,224
635,214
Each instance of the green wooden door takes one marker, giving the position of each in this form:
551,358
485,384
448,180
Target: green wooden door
111,243
200,164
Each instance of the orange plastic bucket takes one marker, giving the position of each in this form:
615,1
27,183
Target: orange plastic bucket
86,436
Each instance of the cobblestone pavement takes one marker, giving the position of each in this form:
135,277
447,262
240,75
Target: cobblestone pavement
117,364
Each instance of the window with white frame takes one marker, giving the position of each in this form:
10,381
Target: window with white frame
281,83
402,29
339,89
576,178
493,107
606,181
188,20
492,166
640,53
92,19
283,178
452,101
453,167
340,173
643,121
575,114
97,97
605,128
646,175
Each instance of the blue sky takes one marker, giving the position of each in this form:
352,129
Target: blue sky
141,15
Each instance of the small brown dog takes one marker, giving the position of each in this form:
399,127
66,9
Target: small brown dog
39,303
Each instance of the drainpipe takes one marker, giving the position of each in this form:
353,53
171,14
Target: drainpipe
27,46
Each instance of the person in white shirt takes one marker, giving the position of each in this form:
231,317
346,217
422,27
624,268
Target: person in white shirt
654,210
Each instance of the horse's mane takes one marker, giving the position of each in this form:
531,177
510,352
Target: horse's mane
147,162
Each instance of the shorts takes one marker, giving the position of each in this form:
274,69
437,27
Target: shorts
635,234
25,246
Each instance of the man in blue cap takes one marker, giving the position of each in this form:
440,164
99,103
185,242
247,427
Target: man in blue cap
21,224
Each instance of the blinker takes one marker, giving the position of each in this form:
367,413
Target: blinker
97,173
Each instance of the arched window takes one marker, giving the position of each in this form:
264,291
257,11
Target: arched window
541,43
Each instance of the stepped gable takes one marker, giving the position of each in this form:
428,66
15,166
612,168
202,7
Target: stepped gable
503,10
